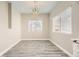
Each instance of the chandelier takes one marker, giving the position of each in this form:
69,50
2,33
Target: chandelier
35,10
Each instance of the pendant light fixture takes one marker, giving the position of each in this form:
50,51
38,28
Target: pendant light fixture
35,10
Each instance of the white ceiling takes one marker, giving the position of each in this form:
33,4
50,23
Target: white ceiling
26,6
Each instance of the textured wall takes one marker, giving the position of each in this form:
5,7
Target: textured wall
34,35
62,39
8,36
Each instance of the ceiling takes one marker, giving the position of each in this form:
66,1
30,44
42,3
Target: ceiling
26,6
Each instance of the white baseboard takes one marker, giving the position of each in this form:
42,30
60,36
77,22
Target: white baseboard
65,51
9,48
35,39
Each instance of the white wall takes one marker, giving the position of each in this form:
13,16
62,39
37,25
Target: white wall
34,35
8,36
61,39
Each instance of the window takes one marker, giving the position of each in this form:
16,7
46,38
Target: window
62,22
56,24
35,25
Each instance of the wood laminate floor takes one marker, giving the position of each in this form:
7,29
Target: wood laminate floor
35,48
